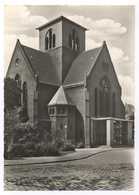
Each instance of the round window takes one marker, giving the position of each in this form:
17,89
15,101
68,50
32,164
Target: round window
17,61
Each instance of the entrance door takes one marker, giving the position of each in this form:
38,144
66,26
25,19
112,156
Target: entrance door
100,132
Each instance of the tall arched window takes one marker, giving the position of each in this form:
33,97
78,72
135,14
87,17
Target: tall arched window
54,40
25,98
105,97
50,39
96,102
113,104
46,43
18,81
74,40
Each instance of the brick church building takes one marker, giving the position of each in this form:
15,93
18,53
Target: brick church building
65,84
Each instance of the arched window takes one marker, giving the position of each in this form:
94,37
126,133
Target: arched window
18,80
74,40
113,104
96,102
105,96
77,43
25,98
54,40
46,43
50,39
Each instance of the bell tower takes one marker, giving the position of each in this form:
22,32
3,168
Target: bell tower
63,39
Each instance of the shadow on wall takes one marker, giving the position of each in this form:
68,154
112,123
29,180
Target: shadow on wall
79,128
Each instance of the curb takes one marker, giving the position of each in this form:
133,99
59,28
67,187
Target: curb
59,161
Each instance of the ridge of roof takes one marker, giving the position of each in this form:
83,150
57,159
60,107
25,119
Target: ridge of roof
60,98
58,19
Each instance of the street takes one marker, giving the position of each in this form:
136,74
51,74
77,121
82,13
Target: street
111,170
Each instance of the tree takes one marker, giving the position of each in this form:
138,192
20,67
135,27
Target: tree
12,94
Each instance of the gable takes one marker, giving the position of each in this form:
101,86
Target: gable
37,62
19,64
104,68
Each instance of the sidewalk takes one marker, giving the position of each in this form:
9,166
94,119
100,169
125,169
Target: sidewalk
77,155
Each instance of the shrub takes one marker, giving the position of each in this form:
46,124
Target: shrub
80,145
51,150
15,151
43,149
69,147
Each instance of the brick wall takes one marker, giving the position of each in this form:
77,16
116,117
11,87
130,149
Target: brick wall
94,82
23,69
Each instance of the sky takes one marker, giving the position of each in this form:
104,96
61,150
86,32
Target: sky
114,24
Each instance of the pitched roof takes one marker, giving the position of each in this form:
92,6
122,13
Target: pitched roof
42,65
81,66
60,98
57,20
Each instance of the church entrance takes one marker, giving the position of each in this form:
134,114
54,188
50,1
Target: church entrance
98,131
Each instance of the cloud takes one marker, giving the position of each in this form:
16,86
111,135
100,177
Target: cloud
18,20
99,30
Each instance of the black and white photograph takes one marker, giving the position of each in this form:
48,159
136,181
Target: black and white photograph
69,97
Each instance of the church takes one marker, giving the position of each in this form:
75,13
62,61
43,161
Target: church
77,91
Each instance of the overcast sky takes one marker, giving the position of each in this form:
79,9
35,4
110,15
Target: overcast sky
115,24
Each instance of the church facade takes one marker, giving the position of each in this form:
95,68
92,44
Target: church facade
67,85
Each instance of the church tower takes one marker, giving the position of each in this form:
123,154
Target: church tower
64,40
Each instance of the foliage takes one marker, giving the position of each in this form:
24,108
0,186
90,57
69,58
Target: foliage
11,93
80,145
23,114
30,141
69,147
11,122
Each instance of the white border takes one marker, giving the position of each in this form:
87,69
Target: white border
71,2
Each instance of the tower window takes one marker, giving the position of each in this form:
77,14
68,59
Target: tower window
54,40
50,39
74,40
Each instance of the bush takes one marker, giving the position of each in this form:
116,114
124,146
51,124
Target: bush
80,145
43,149
69,147
16,150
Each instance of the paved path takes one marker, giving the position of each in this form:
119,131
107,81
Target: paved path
109,170
77,155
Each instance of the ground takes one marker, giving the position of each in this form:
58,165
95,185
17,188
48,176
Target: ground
109,170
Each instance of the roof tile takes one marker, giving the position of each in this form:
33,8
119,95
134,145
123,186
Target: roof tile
81,66
42,65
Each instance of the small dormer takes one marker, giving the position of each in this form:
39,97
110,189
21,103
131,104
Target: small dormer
61,32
